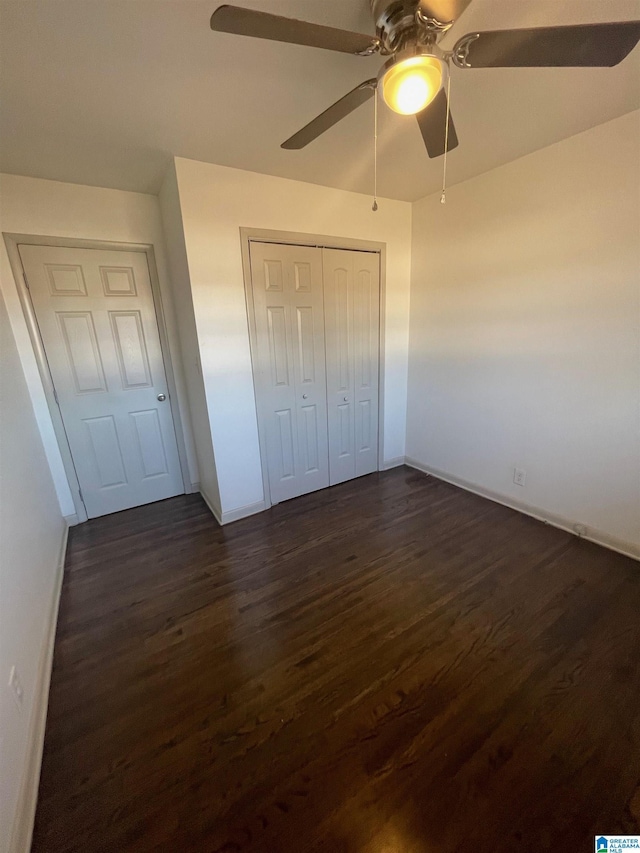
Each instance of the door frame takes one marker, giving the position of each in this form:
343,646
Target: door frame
12,241
318,241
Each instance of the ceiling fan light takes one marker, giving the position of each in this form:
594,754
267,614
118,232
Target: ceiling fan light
408,86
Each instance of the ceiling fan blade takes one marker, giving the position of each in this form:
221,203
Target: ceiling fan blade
262,25
432,121
579,45
331,116
443,10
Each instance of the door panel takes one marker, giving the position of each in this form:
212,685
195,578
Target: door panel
118,281
278,346
306,349
351,290
285,457
343,306
309,439
366,267
290,369
97,320
65,280
106,454
345,433
302,277
364,426
273,275
131,349
150,446
79,337
365,346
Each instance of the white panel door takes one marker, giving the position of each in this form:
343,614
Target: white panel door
352,300
97,320
290,369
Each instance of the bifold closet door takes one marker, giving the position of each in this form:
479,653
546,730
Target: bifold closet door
352,320
288,303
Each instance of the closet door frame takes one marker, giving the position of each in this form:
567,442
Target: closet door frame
320,241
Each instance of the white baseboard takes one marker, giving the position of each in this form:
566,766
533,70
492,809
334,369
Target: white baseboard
28,796
193,489
233,514
212,508
243,512
599,537
394,462
71,520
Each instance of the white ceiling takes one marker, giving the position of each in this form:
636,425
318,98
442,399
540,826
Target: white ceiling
104,91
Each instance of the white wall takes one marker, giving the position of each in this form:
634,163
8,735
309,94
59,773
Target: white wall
216,201
50,208
31,537
525,332
185,317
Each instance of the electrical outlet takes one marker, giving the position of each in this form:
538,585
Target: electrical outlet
519,476
16,687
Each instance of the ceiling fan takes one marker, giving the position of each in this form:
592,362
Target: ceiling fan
407,33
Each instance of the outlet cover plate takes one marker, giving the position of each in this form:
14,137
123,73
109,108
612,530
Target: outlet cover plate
519,476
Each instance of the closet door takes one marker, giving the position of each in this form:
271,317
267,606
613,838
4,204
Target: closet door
288,303
351,298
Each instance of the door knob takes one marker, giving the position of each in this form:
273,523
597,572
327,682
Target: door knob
304,396
162,397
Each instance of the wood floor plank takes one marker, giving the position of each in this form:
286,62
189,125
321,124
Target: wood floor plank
392,665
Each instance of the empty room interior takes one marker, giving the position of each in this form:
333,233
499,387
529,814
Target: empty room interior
319,426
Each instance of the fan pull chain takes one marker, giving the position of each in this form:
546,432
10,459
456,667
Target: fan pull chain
374,206
443,197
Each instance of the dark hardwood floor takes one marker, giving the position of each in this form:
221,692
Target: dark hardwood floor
392,665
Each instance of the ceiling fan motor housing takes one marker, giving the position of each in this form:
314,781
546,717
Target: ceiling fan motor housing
396,23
